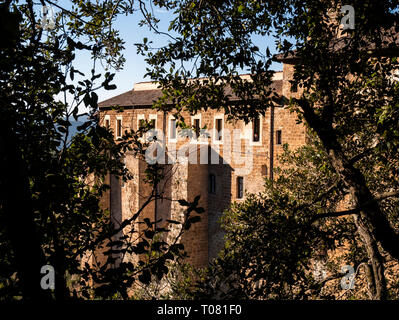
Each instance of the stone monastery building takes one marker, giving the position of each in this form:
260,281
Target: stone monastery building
239,164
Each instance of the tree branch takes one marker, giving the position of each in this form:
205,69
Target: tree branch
361,155
379,197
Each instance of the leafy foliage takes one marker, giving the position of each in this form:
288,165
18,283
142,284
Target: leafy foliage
347,98
51,189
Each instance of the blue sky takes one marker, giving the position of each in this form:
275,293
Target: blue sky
135,66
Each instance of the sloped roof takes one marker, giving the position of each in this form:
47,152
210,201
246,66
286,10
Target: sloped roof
146,98
132,98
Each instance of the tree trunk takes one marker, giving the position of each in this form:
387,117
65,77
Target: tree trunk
376,278
373,226
377,223
372,216
15,200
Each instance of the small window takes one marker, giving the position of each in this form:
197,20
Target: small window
219,128
196,128
212,183
256,129
153,121
240,187
264,170
119,128
140,124
278,137
152,133
172,129
107,123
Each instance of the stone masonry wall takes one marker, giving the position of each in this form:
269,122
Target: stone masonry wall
234,156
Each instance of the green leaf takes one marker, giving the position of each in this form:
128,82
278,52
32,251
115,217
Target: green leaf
147,222
195,219
199,210
145,277
173,221
184,203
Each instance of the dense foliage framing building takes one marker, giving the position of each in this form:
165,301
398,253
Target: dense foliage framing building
219,183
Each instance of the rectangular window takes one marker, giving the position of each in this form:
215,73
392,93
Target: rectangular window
172,129
119,127
278,137
152,133
240,187
107,123
140,123
264,170
153,121
196,128
256,129
219,128
212,183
